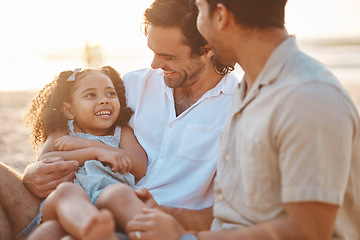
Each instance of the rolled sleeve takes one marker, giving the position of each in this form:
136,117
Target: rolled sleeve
314,155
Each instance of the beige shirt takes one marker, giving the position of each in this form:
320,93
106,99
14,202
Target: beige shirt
293,138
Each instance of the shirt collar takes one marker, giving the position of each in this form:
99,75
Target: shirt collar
277,61
269,73
225,86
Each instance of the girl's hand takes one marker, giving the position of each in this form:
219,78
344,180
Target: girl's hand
118,161
69,143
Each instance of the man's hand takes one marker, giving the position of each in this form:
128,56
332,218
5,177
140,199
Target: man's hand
42,177
144,195
152,223
194,220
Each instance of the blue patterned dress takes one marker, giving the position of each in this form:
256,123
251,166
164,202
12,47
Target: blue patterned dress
94,176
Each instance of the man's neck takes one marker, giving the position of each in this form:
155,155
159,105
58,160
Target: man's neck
187,96
258,47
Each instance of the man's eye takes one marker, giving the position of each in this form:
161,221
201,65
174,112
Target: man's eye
169,58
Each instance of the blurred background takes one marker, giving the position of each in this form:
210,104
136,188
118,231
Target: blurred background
41,38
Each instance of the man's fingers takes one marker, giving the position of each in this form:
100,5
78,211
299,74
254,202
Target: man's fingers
134,235
48,183
148,214
53,166
142,193
46,177
42,177
53,184
47,193
52,160
137,224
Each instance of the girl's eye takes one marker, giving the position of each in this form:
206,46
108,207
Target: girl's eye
90,95
111,94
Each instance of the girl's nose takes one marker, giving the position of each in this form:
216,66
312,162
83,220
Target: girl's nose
104,100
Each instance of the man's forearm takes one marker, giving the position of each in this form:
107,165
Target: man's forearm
191,220
282,228
304,220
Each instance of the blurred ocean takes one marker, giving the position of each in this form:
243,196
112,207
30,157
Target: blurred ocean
341,56
34,70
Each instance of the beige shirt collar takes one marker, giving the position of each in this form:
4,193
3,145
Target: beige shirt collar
270,72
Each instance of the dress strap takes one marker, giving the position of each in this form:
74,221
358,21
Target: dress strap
71,126
117,132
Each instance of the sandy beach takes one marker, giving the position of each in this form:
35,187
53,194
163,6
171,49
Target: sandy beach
15,147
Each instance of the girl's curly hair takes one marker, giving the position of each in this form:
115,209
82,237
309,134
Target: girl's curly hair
45,117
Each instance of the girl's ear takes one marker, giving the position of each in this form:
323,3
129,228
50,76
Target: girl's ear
66,110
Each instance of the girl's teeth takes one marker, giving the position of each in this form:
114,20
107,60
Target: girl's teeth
102,113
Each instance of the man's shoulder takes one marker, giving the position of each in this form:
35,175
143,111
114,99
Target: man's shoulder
232,77
229,82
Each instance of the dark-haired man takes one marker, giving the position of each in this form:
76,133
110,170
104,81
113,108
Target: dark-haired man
290,153
180,110
180,106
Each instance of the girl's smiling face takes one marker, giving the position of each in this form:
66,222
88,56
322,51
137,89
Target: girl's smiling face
95,105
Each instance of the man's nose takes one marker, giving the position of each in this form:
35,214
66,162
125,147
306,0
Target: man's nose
157,62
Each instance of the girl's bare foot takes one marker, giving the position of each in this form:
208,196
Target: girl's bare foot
101,227
68,237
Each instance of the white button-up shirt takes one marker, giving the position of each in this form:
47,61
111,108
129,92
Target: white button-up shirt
182,150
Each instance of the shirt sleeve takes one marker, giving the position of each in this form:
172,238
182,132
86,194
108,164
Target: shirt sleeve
314,136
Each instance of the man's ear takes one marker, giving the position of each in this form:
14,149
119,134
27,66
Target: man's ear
66,110
221,16
207,50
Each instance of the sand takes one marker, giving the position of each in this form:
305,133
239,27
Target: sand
15,147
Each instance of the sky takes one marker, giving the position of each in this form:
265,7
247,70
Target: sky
35,32
323,18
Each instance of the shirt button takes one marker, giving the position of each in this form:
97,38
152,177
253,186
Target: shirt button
227,157
220,197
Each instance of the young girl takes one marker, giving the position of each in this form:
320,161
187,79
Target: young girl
81,115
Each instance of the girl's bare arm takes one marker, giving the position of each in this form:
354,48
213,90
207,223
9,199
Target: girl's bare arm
129,147
134,151
49,150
